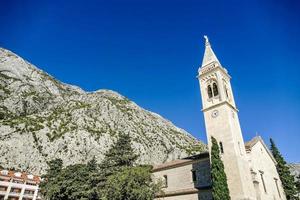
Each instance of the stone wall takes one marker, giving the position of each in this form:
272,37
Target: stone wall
264,170
187,181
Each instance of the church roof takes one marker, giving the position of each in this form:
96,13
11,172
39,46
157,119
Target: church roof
181,162
255,140
209,55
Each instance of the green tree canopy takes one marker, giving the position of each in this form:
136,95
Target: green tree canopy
48,186
285,175
120,155
133,183
73,182
220,189
298,185
115,178
54,166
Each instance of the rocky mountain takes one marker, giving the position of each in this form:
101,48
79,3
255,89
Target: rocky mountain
295,169
42,118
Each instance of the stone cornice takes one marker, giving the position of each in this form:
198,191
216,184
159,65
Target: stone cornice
201,73
181,162
219,104
179,192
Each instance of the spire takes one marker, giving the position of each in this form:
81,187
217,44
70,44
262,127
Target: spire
209,55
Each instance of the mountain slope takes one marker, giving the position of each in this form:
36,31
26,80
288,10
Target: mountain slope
295,169
42,118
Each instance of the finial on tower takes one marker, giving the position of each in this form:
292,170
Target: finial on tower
206,40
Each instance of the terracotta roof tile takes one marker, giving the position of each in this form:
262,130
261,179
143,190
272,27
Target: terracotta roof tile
23,176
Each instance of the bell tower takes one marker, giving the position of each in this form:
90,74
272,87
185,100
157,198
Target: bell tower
222,122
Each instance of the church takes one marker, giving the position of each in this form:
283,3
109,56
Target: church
249,166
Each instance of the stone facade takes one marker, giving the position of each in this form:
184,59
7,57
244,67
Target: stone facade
187,178
250,168
266,180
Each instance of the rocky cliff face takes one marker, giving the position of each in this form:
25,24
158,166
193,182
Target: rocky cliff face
295,169
42,118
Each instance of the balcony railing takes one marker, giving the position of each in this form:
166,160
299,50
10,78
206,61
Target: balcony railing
28,195
14,194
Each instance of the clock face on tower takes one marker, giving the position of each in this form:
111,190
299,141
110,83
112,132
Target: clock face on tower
215,113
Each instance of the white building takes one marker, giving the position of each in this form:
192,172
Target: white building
187,179
18,186
250,168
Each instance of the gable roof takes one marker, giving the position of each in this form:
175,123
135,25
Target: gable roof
254,141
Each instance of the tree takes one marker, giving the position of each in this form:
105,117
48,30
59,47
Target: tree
130,184
54,167
115,178
298,185
220,189
122,180
120,155
285,175
70,183
48,186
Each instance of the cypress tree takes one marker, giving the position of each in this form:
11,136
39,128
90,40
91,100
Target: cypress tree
298,185
285,175
220,189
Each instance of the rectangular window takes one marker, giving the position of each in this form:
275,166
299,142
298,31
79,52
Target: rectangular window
194,175
165,181
15,190
263,181
4,179
276,182
221,147
17,181
3,188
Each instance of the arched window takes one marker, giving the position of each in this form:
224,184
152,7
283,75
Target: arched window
221,147
215,89
194,175
226,91
165,181
209,91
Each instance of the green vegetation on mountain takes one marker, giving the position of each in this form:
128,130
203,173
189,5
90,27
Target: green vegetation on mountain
58,120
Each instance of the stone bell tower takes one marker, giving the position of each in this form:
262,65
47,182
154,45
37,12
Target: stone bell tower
222,122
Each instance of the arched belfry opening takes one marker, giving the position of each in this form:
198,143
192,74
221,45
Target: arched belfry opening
209,91
212,90
215,89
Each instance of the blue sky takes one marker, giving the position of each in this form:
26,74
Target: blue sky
150,51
